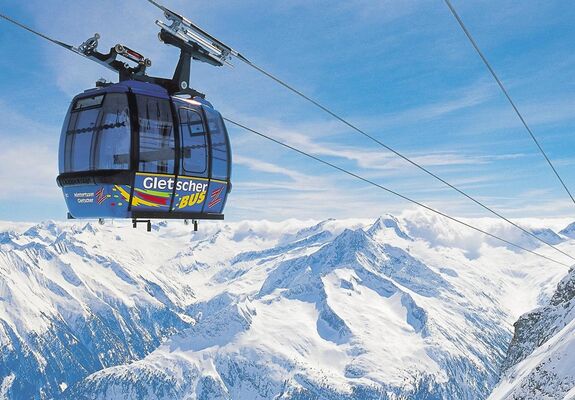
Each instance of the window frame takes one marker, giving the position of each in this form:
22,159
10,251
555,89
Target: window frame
102,98
207,155
71,134
224,132
174,135
97,139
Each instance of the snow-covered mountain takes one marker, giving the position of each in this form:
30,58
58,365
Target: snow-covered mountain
541,359
408,307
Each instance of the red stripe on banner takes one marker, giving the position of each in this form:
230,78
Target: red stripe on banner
154,199
217,192
214,202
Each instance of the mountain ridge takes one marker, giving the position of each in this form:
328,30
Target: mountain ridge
284,310
540,359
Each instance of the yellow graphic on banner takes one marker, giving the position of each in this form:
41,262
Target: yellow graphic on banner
192,199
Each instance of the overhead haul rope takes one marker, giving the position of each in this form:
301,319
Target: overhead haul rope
377,185
317,104
397,153
231,52
67,46
227,51
71,48
506,93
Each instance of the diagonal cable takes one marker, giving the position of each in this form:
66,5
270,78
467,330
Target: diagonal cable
397,153
361,178
506,93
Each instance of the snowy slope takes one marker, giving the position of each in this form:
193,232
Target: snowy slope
409,307
541,359
76,298
71,303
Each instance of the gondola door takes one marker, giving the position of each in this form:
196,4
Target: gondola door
220,163
192,181
156,173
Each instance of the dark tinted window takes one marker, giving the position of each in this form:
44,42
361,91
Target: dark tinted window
98,134
79,139
89,102
194,142
219,142
112,150
157,144
62,152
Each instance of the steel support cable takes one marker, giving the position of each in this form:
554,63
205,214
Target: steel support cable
506,93
361,178
397,153
66,46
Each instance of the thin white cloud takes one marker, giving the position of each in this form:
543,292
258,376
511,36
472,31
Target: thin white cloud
268,167
28,156
370,156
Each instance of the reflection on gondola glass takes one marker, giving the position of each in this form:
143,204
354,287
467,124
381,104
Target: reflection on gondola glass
112,142
219,145
194,143
157,144
79,139
98,134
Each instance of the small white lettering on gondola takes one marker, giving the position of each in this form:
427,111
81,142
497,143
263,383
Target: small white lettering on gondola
84,197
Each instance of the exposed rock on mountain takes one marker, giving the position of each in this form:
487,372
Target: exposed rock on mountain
541,359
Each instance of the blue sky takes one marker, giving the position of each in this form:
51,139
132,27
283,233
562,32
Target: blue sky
401,70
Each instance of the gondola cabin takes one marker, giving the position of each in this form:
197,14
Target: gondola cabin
132,150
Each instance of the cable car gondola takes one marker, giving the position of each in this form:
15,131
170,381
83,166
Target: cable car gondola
147,147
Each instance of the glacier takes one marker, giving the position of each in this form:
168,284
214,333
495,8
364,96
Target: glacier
408,306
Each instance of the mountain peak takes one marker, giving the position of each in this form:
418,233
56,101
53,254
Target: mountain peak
386,223
43,230
569,230
547,235
89,227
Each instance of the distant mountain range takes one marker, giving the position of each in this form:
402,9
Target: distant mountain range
409,307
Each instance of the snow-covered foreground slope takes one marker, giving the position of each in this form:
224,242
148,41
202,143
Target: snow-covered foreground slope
541,358
412,307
